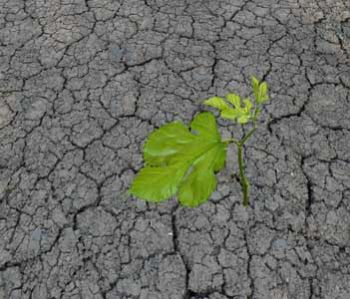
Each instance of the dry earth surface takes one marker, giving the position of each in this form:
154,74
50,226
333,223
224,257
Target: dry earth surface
82,84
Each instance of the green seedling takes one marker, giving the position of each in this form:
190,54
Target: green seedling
182,161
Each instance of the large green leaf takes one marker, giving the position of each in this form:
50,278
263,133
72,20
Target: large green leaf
201,182
180,161
156,184
166,143
205,126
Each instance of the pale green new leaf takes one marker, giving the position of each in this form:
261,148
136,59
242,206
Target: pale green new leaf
260,90
240,114
234,99
231,114
217,102
176,158
262,93
255,84
243,119
248,105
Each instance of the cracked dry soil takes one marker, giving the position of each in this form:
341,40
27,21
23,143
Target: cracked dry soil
82,84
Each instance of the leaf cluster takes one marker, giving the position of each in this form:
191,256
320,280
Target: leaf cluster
231,106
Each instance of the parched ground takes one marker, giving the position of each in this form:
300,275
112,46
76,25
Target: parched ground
82,84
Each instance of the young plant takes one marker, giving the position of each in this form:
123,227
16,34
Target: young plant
183,161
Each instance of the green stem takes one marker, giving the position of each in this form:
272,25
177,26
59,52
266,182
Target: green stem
235,141
243,180
249,134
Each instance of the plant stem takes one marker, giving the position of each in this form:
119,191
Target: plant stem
249,134
243,180
235,141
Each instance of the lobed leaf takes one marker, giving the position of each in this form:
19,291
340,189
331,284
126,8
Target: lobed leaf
181,162
205,126
156,184
164,144
200,183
